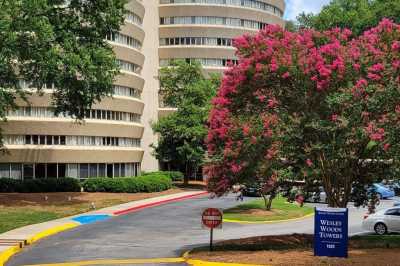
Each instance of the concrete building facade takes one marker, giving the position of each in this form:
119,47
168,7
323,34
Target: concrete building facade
115,138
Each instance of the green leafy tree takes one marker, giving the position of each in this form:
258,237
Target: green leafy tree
58,42
357,15
325,103
291,26
182,133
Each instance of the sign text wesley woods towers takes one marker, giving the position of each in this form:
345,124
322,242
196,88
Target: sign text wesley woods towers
331,232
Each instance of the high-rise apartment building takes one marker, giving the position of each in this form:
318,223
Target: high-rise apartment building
114,139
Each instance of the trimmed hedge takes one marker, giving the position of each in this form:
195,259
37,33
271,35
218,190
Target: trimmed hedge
145,183
8,185
175,176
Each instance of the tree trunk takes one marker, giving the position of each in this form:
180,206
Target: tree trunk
267,202
335,199
187,175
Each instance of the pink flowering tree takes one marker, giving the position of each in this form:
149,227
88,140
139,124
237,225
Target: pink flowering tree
325,103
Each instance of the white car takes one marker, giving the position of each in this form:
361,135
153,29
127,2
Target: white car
383,221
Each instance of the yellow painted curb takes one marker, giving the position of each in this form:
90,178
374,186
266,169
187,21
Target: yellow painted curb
116,261
8,253
51,231
268,222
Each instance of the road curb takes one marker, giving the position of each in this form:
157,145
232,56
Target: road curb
51,231
8,253
153,204
268,222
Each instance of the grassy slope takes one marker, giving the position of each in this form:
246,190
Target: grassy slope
281,210
14,218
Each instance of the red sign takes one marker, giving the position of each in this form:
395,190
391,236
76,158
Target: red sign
212,218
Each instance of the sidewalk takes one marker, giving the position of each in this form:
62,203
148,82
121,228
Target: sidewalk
13,241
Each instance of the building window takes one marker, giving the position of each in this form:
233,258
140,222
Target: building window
28,171
209,20
133,18
126,91
74,170
123,39
72,140
206,41
5,170
90,114
206,62
245,3
128,66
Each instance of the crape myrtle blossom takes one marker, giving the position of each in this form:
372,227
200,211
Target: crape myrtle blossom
316,98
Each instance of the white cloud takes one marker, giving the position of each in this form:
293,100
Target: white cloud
295,7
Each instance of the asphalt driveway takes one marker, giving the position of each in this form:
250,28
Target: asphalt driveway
164,231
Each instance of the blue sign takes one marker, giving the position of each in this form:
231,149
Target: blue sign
331,232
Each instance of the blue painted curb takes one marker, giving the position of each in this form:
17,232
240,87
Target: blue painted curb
87,219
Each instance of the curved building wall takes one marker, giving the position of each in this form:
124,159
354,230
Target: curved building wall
203,29
106,144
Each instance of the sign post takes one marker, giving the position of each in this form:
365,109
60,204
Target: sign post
212,218
331,232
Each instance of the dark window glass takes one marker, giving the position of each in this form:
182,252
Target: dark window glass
35,139
61,170
93,170
84,170
52,170
28,171
28,139
40,171
49,140
110,170
122,170
62,140
116,170
102,170
42,140
391,212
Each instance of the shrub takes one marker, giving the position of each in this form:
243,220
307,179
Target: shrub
39,185
151,182
175,176
8,185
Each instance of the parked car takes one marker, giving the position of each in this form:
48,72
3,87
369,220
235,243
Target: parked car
383,221
396,187
252,190
383,192
318,197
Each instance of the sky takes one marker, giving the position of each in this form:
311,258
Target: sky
295,7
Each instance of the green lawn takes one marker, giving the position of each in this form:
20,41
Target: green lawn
11,219
253,211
